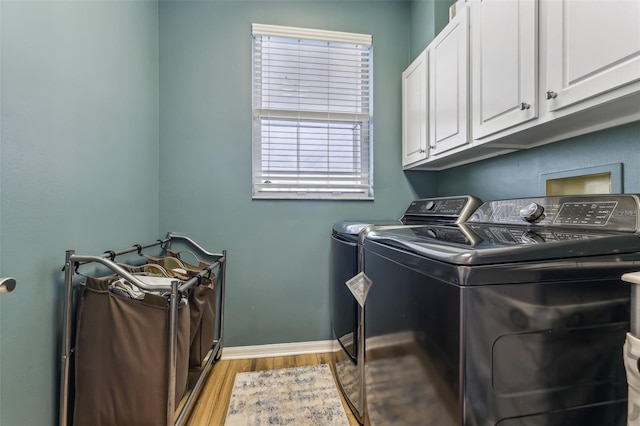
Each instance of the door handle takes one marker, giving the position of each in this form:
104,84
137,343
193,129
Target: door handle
7,284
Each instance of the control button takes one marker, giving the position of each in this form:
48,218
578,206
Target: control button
430,206
531,212
531,237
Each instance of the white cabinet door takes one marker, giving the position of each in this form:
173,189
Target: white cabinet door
448,83
592,47
414,110
504,68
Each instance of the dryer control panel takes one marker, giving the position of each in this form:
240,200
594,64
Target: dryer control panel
448,209
604,212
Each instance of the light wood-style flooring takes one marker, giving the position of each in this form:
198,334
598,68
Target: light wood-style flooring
211,407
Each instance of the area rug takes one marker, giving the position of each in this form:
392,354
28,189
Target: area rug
290,396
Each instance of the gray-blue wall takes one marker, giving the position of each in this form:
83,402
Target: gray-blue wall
79,152
278,250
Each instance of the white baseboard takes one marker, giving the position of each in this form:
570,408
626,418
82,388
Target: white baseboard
319,346
278,349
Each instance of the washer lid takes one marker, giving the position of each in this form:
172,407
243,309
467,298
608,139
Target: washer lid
487,244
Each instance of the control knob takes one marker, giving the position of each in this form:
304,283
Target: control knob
430,206
531,212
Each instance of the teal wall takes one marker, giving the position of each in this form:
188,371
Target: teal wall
79,152
422,26
278,250
517,174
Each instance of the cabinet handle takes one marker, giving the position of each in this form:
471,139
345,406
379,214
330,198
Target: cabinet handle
422,151
524,106
432,146
550,94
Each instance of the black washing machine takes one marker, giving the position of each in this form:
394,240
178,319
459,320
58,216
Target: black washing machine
516,317
346,313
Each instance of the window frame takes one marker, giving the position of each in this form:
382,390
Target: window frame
318,185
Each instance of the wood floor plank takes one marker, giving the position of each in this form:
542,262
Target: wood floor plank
264,364
211,407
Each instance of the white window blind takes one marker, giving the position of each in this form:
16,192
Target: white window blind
311,113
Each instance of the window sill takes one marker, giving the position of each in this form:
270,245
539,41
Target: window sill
309,197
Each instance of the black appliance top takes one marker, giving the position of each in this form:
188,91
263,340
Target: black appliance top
422,211
498,233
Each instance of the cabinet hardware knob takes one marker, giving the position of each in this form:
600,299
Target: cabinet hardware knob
432,146
550,94
524,106
7,285
422,151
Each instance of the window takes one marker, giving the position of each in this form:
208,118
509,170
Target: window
311,114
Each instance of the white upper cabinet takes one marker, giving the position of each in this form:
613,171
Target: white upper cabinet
505,75
414,110
504,66
592,47
448,82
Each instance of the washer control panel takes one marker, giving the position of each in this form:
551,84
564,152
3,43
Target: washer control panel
596,213
610,212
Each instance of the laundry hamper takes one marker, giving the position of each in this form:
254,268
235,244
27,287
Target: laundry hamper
202,304
121,357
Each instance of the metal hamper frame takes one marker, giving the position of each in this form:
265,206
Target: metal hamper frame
176,288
